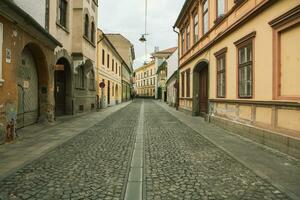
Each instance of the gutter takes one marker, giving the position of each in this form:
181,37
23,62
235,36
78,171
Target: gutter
177,92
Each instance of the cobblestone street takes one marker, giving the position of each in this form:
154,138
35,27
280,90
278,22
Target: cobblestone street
179,163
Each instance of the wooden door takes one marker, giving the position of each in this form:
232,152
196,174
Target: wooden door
203,91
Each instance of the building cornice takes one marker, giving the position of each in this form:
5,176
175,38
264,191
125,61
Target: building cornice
247,17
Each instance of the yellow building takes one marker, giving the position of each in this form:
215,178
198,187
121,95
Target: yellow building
109,71
239,67
145,78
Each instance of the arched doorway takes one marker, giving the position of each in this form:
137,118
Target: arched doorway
200,89
28,87
117,94
62,87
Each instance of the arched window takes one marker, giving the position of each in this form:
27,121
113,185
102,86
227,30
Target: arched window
80,78
86,26
92,80
93,32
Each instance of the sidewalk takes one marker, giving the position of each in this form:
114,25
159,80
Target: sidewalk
279,169
36,140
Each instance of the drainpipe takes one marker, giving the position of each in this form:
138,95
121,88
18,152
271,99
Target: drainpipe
177,91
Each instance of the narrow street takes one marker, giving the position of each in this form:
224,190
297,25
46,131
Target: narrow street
178,163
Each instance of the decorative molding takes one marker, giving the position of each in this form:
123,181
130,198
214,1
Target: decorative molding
246,38
220,52
286,17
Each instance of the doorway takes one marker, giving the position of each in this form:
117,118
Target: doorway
62,82
28,101
200,89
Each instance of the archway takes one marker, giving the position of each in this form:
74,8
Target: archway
33,85
117,94
63,87
200,89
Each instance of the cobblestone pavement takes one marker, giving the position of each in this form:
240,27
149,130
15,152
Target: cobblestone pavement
92,165
181,164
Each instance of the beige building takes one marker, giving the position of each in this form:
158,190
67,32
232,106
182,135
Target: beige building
145,79
74,23
126,51
109,71
239,67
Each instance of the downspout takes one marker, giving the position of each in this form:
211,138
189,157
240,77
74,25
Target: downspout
177,91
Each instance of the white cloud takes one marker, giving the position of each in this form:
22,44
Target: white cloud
127,17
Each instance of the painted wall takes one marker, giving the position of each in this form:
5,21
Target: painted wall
107,73
259,115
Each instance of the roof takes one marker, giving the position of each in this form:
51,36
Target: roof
184,9
166,51
10,9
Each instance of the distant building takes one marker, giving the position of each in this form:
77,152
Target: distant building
172,79
239,67
109,71
161,74
145,77
172,88
126,50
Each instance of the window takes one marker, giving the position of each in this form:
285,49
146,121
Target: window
221,73
196,28
113,89
86,26
205,16
93,33
63,4
103,57
116,68
188,37
80,77
245,70
113,65
286,66
220,8
182,84
153,81
182,43
107,60
188,82
92,80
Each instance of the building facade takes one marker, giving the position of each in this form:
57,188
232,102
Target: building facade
172,79
26,70
145,80
109,71
172,89
74,23
126,50
160,57
238,67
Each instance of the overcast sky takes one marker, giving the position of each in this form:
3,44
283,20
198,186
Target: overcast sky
128,18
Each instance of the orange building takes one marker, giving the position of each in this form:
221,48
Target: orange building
26,70
239,67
